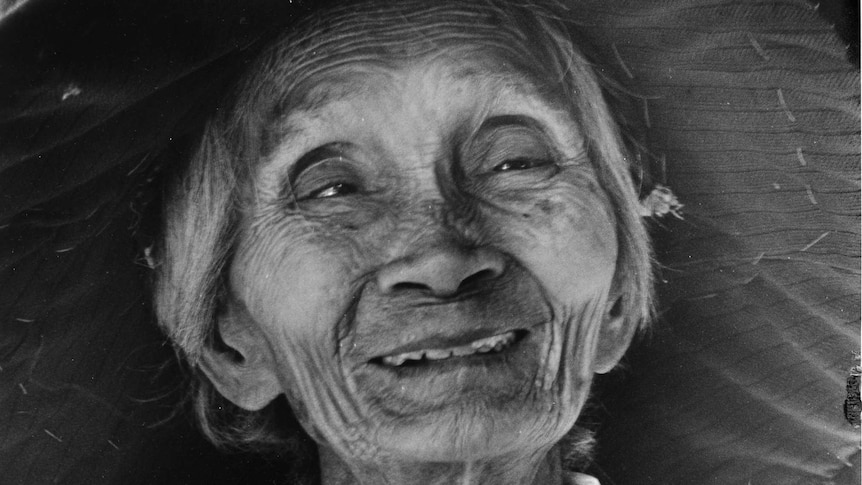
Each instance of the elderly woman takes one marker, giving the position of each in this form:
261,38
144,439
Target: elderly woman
415,221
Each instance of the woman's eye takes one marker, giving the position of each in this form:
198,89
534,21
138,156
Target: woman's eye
326,172
510,144
334,190
519,164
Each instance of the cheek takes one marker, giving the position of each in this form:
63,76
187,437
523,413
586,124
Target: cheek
297,288
285,289
567,239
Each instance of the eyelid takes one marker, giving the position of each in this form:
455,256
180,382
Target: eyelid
514,121
523,123
494,139
322,153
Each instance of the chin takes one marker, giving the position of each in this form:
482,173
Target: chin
478,432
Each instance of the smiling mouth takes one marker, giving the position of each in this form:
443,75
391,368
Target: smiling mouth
489,345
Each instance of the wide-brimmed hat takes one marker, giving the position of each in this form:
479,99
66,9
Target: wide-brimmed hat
749,375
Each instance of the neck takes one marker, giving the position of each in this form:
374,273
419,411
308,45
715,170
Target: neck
531,469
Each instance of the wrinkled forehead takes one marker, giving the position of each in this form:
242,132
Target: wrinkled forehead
392,33
316,59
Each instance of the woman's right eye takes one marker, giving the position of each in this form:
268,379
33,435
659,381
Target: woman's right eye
326,180
324,173
335,190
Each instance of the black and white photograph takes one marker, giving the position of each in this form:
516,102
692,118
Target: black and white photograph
410,242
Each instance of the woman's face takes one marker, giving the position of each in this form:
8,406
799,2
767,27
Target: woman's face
427,257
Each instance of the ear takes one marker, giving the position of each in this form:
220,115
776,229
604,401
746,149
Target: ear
614,337
244,372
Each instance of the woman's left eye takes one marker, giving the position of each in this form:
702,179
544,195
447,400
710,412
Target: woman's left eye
510,144
520,164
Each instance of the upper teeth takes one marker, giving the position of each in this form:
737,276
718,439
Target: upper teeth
495,343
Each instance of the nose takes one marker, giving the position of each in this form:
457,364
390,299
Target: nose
441,271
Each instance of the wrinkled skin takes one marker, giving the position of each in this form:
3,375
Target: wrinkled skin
422,207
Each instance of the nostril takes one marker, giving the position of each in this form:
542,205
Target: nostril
617,308
476,279
407,285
